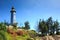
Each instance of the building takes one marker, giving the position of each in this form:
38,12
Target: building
13,16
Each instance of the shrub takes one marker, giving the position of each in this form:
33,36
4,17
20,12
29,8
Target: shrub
19,32
10,31
2,36
29,39
58,33
32,34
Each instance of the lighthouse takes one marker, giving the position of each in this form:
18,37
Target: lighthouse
13,16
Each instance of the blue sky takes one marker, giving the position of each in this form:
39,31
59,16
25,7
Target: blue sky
30,10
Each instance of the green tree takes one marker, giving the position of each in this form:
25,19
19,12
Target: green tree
2,26
43,27
49,23
49,26
27,26
55,26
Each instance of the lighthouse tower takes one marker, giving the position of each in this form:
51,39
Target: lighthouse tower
13,15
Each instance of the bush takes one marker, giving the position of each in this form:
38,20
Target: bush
2,36
23,35
29,39
58,33
32,34
10,31
33,30
19,32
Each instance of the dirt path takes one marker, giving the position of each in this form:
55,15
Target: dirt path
47,38
56,37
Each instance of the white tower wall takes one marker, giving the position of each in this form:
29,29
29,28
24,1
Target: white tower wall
13,15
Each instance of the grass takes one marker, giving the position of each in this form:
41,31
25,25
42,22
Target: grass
10,37
21,37
4,35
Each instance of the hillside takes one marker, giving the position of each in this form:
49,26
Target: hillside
11,33
21,34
